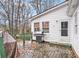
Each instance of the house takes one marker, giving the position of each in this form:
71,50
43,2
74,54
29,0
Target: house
52,25
58,25
73,12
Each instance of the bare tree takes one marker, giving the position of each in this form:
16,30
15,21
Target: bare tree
43,5
17,12
26,14
8,10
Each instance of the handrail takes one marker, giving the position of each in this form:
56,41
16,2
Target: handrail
9,39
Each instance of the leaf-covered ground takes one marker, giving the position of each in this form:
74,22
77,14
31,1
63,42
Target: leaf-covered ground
44,50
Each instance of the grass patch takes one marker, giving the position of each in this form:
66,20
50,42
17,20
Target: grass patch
25,36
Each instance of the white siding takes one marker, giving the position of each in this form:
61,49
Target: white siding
54,17
75,37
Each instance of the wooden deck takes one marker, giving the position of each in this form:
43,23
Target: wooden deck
45,50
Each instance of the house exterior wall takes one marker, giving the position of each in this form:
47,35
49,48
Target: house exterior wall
74,35
55,18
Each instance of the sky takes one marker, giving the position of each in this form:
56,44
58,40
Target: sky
33,11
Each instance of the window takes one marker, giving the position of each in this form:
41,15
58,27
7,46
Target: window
64,28
36,27
45,27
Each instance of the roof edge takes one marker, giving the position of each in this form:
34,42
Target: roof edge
53,8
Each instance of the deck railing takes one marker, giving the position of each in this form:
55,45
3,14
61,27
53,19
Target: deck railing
10,44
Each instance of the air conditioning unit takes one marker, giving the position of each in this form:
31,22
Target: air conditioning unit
39,37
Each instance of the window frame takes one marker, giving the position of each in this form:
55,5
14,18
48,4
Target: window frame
44,25
36,27
64,28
